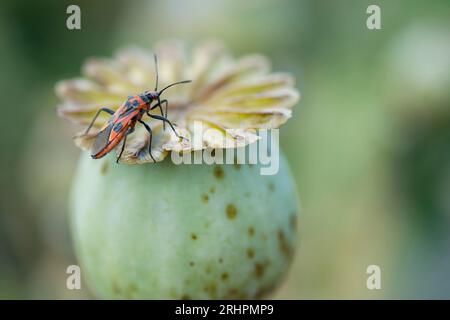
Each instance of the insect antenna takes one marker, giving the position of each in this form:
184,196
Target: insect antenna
156,70
170,85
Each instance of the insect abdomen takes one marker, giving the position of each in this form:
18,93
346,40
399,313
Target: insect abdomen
101,142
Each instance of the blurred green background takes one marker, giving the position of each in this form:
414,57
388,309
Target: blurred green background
369,143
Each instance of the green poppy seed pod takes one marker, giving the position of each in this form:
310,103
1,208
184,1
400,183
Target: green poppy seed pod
162,231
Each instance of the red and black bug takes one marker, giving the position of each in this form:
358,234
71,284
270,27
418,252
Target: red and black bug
123,121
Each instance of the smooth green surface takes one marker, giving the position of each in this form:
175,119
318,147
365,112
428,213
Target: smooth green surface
190,231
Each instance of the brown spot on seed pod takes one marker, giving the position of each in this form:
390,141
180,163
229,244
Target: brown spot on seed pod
250,253
185,297
212,189
218,172
220,260
233,292
191,263
205,198
259,269
251,231
193,236
264,292
211,289
271,187
224,276
231,211
283,245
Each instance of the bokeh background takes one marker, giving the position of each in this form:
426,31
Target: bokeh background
369,143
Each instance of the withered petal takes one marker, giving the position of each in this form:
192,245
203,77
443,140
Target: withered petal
245,68
85,92
232,98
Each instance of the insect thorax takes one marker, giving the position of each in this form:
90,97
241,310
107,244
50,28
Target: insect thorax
149,96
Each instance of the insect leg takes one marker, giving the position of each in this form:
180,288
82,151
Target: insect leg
123,145
165,110
159,104
156,106
150,140
164,120
111,112
123,148
168,121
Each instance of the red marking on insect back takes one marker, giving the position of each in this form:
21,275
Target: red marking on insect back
116,128
130,118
